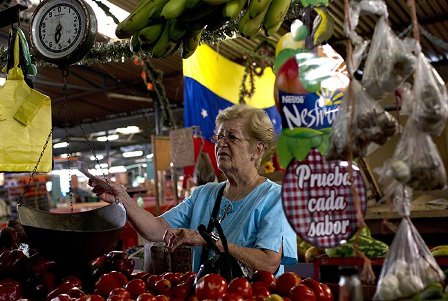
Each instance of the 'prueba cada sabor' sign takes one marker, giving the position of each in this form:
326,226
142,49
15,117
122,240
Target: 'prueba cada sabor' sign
318,199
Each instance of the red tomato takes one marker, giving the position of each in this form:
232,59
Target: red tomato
302,292
73,281
173,278
136,287
328,294
210,286
120,292
187,275
241,287
90,298
62,297
163,286
286,282
181,291
315,286
162,298
10,289
108,282
62,288
260,291
260,284
151,281
264,276
146,297
141,275
230,297
75,292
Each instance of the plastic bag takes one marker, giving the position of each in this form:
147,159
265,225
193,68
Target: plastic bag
388,63
371,124
25,120
416,161
409,266
222,263
203,169
431,100
356,7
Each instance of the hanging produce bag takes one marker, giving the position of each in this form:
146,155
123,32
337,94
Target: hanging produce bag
371,126
409,267
25,122
388,64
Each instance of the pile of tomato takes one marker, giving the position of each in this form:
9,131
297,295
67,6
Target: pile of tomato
111,277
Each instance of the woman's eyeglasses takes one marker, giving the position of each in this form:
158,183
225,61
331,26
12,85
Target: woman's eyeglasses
229,137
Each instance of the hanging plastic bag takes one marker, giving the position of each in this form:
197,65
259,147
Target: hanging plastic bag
431,99
416,161
371,124
388,63
409,266
25,120
357,7
203,169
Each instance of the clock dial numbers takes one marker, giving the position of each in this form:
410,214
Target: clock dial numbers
60,28
62,31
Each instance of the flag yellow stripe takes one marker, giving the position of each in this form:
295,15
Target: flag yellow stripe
223,77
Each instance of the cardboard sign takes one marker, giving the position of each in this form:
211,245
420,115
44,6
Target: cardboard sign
182,147
318,199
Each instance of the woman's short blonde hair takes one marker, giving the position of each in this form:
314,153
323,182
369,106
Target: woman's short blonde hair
256,122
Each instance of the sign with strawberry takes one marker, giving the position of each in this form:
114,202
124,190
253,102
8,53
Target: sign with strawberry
318,199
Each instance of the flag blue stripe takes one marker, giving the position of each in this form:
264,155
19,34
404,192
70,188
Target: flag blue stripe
199,99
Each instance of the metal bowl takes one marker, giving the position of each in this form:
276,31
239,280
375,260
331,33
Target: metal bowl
72,238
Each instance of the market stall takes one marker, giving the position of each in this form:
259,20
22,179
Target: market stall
363,182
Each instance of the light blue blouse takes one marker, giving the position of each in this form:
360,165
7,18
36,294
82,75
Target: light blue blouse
256,221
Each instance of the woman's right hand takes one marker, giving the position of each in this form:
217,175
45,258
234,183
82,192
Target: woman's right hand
113,194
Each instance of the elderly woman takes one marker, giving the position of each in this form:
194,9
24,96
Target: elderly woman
251,212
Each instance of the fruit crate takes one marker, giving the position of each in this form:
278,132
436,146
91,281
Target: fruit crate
158,261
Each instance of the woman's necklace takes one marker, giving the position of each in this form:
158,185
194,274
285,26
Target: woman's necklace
235,198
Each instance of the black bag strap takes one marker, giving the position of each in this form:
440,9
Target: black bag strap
210,226
215,209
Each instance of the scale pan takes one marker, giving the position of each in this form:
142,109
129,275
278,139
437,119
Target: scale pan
72,238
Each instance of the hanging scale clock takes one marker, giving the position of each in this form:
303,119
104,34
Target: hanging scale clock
63,31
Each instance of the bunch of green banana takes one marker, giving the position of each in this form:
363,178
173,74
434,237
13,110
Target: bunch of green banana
144,14
275,15
440,251
323,26
161,27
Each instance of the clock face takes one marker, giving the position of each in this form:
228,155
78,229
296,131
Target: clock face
61,27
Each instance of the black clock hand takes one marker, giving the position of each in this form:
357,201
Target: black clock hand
57,35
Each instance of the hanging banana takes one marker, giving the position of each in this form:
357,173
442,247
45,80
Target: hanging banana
276,13
233,8
323,26
173,9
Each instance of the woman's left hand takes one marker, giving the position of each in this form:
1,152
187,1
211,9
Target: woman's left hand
181,236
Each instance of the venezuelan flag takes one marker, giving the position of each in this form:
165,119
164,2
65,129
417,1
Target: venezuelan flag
212,83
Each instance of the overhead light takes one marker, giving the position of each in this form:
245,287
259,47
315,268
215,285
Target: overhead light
2,81
63,155
132,129
99,172
133,154
107,138
150,156
60,145
115,169
99,157
103,165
